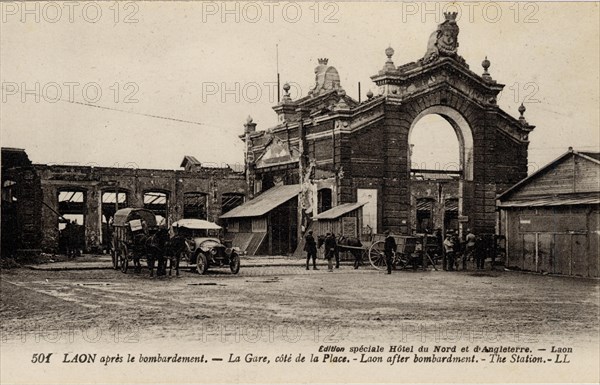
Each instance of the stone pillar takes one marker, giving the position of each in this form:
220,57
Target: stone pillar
176,201
93,220
50,218
342,158
396,192
484,188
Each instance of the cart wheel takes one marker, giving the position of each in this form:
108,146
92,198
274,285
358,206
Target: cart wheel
234,263
123,258
377,256
115,258
201,263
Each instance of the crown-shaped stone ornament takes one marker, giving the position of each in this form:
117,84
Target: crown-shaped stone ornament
451,16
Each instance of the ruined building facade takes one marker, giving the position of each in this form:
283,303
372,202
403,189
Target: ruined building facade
41,198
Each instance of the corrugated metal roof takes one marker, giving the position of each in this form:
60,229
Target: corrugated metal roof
338,211
265,202
559,200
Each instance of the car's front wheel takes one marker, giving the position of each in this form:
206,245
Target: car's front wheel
201,263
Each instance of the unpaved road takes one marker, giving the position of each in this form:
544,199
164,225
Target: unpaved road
292,303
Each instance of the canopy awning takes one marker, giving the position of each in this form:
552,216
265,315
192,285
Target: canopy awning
339,210
196,224
265,202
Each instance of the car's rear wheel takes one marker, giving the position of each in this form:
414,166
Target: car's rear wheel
201,263
234,263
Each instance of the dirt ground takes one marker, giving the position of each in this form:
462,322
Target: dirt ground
292,303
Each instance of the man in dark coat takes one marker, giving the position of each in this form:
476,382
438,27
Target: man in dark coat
330,247
389,249
310,246
336,252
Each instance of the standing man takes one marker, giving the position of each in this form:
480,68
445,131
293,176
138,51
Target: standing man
469,249
449,252
330,251
458,249
479,253
389,249
310,246
336,252
439,241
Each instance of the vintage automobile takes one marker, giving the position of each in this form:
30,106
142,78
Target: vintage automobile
207,249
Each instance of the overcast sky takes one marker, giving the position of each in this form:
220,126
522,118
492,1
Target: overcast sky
192,72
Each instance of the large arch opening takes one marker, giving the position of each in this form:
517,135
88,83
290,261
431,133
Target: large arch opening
434,147
439,119
440,155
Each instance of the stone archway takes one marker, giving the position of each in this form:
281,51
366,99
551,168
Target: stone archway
493,143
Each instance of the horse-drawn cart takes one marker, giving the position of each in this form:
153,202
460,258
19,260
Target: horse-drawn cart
412,251
131,229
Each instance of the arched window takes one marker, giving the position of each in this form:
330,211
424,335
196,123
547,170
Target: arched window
195,205
71,206
111,202
157,201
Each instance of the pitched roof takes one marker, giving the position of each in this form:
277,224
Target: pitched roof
265,202
592,198
591,156
338,211
188,159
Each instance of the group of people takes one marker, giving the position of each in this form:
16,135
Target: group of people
453,251
331,251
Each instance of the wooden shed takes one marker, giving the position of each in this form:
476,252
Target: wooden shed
551,219
267,224
344,219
